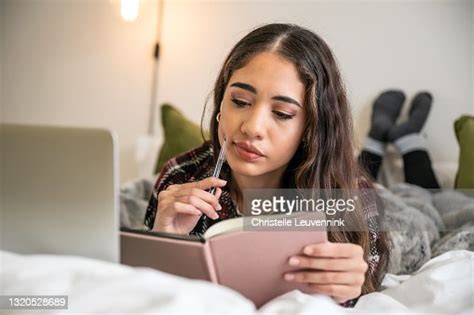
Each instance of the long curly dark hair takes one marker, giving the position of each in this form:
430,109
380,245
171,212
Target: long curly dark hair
325,158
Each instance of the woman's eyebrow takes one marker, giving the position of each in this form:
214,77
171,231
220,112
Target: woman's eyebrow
252,89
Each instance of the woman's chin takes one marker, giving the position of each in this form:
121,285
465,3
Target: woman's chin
245,168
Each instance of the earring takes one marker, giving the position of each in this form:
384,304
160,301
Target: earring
218,117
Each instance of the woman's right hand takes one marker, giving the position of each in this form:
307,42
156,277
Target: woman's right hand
181,206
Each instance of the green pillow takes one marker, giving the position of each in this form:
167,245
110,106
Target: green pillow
464,128
181,134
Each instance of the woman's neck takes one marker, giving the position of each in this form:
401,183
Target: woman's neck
241,182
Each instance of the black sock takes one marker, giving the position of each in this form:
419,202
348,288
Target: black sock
419,110
385,111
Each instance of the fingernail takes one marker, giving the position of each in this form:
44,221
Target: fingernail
215,216
289,276
308,250
294,261
219,207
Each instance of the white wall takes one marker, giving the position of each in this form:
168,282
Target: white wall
76,62
412,45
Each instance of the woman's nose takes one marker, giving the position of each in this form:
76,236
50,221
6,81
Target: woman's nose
254,123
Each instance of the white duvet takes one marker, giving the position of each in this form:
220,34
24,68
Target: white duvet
444,285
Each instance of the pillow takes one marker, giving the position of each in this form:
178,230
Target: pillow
464,128
181,135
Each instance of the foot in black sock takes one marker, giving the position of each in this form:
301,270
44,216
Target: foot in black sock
385,112
419,110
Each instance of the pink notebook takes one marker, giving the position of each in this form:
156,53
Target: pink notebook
250,262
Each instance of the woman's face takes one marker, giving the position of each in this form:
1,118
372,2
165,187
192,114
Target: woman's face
262,115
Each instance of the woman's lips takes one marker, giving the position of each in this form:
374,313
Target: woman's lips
246,154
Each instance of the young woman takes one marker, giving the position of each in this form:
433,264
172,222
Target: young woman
280,103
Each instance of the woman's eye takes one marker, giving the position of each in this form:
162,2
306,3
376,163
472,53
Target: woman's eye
280,115
239,103
283,116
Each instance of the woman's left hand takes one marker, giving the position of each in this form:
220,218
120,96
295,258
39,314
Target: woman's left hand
339,269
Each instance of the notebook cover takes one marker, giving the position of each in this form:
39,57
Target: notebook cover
186,258
253,262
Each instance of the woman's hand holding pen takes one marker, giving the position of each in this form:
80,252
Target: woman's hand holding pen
334,269
181,206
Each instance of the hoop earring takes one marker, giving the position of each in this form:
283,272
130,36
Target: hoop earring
218,117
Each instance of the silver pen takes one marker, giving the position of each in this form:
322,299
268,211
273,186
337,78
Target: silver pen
220,161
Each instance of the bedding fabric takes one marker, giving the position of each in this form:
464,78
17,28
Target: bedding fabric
444,285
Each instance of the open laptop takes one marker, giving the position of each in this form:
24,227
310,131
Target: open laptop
59,191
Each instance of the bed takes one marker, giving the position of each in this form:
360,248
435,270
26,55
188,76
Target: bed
431,264
431,270
443,285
